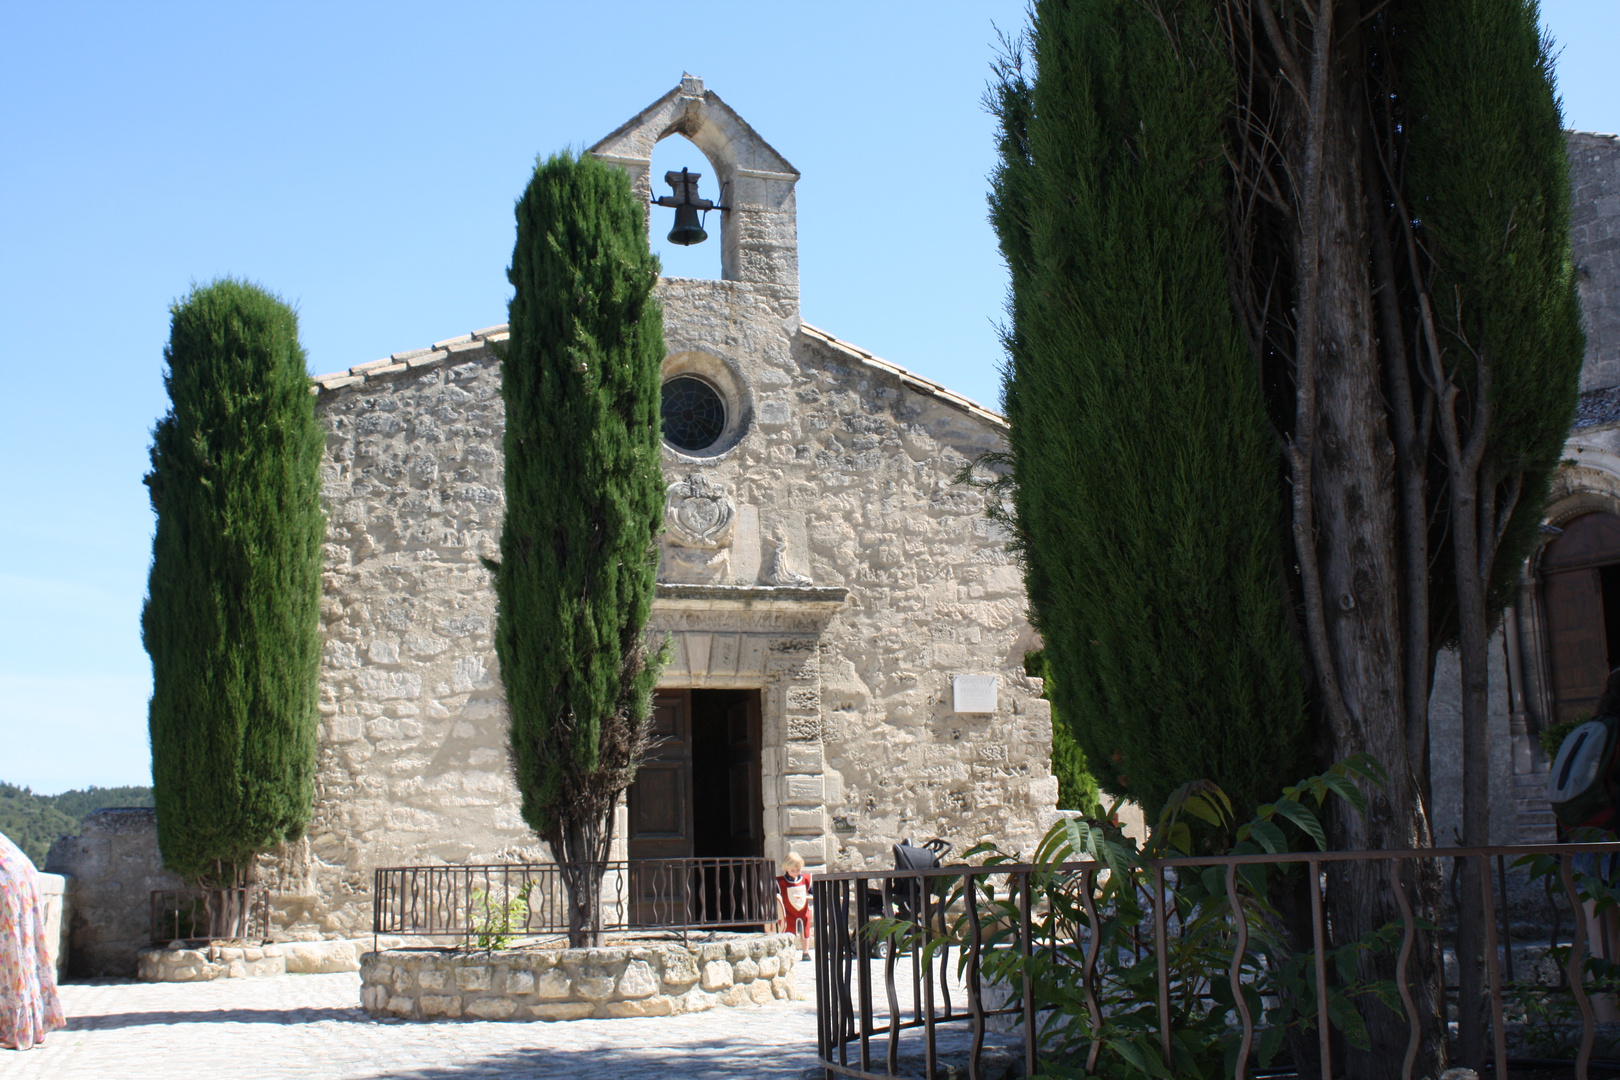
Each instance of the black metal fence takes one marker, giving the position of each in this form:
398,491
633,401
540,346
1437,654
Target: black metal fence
924,939
490,906
239,913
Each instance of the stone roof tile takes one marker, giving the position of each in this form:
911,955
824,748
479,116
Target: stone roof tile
910,380
1597,407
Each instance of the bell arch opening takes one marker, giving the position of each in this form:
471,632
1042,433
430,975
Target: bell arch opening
702,260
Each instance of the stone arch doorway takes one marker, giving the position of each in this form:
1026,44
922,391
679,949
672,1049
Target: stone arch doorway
1579,575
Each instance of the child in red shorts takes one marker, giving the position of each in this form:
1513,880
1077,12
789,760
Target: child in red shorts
793,901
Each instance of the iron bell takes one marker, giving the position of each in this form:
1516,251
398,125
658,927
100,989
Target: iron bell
687,231
686,203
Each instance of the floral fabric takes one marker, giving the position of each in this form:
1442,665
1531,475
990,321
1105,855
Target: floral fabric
29,1006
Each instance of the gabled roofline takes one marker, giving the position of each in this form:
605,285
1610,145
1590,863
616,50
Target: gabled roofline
467,344
679,120
909,379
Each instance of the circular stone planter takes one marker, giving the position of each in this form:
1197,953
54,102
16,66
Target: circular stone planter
655,979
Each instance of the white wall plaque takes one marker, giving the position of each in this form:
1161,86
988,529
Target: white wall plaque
975,693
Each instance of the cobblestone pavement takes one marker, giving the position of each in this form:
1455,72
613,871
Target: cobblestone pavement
311,1027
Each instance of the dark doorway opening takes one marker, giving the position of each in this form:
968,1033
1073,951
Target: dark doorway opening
1580,592
728,813
698,793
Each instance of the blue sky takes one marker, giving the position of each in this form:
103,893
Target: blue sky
362,160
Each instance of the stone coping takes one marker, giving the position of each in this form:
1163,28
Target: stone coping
182,961
783,597
656,979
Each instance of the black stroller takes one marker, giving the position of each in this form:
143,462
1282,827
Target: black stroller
906,895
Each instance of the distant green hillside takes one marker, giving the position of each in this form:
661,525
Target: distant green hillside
33,822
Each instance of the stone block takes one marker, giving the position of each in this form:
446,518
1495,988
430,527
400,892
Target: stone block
803,791
769,966
734,997
404,979
760,991
432,978
447,1005
492,1008
594,987
651,1006
401,1006
374,998
473,977
520,982
562,1010
680,968
745,971
716,975
813,850
638,980
802,820
320,957
695,1000
552,984
712,950
783,989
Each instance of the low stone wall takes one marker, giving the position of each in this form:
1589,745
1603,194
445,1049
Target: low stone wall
178,962
115,864
572,984
57,892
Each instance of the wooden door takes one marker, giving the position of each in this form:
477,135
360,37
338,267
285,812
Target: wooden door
1579,639
747,815
1578,633
660,800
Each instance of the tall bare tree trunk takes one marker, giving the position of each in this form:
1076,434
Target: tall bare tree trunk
1359,520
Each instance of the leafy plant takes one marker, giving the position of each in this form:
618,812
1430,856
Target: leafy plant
1095,927
496,924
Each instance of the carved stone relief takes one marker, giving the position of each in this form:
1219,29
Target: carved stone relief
776,570
699,520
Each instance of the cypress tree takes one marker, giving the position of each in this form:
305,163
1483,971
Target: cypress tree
232,615
1145,490
1396,250
1491,291
584,504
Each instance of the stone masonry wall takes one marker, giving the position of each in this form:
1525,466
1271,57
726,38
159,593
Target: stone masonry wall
1594,175
412,752
572,984
115,866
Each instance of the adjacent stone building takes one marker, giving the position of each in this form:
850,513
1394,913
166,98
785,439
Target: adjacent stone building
1561,637
848,628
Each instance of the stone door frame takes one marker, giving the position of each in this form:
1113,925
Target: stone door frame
765,638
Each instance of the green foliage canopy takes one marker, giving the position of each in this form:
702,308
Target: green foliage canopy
232,615
1487,173
584,495
1145,493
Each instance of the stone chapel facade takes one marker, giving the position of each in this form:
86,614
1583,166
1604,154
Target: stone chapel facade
849,629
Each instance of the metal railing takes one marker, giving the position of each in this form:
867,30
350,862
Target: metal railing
238,913
868,923
488,906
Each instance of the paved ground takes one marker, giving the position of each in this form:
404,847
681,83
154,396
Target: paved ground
310,1027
